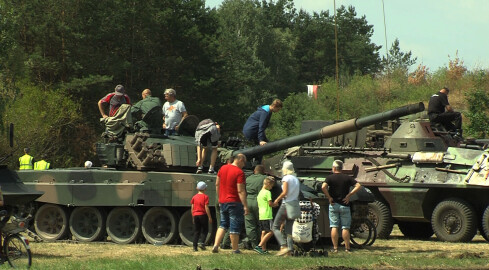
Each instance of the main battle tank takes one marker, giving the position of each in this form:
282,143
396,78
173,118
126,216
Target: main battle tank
423,178
146,184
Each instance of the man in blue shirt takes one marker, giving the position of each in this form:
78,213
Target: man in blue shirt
254,128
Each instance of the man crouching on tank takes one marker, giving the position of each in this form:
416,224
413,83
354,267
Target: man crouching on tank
337,190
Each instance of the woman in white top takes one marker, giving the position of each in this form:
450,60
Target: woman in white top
290,194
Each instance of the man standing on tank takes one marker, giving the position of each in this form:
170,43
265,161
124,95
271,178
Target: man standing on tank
337,191
440,111
230,187
115,100
173,112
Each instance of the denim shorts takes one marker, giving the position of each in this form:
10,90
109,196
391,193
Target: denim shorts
232,217
339,215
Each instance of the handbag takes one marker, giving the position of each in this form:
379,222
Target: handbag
293,209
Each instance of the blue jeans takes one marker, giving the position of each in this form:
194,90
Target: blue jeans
339,215
232,217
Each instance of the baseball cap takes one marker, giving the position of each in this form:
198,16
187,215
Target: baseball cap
201,185
119,90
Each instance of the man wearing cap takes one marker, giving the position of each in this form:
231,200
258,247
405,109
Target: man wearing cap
150,110
173,112
440,111
115,100
26,161
337,191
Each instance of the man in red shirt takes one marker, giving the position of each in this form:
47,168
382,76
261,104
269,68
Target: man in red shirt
231,187
115,100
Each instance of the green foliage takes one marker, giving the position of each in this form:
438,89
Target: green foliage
478,101
398,60
49,123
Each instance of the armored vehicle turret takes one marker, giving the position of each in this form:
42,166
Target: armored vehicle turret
146,184
423,178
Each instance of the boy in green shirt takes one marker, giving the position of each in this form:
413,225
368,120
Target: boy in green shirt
265,215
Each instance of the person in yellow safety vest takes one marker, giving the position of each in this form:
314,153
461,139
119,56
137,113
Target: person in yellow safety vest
26,161
42,164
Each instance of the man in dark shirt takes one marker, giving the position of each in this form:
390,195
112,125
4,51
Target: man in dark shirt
337,190
440,111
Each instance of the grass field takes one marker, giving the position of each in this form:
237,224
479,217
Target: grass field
395,253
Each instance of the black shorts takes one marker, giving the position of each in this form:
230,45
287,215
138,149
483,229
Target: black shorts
205,140
266,225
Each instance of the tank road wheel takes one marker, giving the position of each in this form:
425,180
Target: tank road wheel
51,222
485,224
159,225
454,220
416,230
186,229
380,214
123,225
87,224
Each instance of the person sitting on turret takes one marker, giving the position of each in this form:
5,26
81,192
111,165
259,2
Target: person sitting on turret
150,109
207,134
440,111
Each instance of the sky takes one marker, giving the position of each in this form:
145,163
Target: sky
433,30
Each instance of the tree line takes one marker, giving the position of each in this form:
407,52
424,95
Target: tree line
59,57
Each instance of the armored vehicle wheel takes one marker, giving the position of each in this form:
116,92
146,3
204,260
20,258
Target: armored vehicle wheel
87,224
363,233
123,225
454,220
186,230
160,225
485,224
380,214
51,222
416,230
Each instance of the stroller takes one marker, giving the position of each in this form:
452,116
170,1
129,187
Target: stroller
305,231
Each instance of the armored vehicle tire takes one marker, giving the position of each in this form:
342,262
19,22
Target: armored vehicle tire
380,214
454,220
123,225
160,225
186,230
51,222
416,230
87,224
485,224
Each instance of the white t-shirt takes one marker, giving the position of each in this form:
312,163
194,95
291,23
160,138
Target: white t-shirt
173,113
293,188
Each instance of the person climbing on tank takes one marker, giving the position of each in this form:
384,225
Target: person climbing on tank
26,162
207,135
440,111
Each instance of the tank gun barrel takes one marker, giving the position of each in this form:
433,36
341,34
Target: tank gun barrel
330,131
